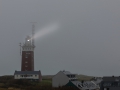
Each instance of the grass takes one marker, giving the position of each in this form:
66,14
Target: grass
45,82
9,88
84,77
8,83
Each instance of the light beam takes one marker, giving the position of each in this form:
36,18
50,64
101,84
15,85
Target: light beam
46,30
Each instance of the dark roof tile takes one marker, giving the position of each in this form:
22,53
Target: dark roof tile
26,72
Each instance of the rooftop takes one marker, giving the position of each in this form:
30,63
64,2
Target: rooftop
26,72
67,73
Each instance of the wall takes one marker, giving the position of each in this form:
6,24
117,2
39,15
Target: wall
28,77
60,79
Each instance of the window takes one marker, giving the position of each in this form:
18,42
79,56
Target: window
26,62
68,76
26,75
26,56
27,53
72,76
26,66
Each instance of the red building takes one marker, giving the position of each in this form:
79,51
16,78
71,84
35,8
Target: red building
28,55
27,62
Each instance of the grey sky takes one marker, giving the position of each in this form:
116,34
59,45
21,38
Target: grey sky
86,42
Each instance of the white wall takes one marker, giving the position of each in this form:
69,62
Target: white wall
28,77
60,79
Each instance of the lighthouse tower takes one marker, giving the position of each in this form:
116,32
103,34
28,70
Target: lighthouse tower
28,53
27,62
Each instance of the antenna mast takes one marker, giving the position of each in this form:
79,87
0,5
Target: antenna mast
20,48
33,34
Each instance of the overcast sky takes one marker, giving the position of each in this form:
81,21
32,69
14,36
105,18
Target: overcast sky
85,39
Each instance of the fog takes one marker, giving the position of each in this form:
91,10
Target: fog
80,36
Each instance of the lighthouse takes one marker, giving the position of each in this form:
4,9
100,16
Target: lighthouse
27,55
27,63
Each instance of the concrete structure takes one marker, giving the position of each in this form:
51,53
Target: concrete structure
29,75
110,83
62,78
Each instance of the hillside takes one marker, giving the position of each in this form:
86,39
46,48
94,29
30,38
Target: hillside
84,77
8,81
80,77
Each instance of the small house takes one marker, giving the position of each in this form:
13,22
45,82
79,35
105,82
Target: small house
110,83
62,78
29,75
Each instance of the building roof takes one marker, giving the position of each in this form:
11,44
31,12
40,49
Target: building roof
113,78
74,84
26,72
84,86
67,73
